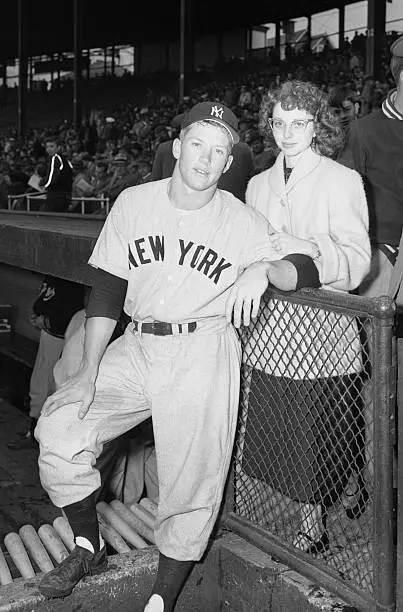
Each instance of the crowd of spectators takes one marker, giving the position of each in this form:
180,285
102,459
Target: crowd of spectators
116,144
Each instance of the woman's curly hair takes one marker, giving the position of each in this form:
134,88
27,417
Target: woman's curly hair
329,134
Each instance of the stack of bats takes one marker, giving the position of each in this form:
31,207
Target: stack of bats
123,527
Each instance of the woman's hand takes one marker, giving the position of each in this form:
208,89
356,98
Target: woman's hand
285,244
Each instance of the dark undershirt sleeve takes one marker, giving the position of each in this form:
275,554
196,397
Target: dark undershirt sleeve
308,275
107,295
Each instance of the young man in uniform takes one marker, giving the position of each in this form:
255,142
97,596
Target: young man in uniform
190,262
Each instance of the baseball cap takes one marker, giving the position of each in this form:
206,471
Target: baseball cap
216,112
396,48
120,158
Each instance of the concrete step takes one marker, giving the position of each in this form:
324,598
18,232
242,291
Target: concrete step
234,576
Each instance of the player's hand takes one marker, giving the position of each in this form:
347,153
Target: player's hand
244,298
79,389
285,244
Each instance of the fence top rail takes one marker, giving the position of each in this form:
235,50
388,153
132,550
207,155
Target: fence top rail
104,201
32,195
382,307
38,194
48,214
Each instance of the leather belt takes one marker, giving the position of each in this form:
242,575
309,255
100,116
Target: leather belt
160,328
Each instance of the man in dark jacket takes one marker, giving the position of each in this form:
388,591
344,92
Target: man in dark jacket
57,302
374,149
59,180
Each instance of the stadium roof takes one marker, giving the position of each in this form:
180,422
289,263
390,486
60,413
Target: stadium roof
50,23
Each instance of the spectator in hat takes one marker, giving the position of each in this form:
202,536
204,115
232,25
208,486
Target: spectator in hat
111,131
262,158
88,135
144,171
123,176
82,187
100,177
245,97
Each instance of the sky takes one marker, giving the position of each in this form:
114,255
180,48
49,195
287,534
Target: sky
355,19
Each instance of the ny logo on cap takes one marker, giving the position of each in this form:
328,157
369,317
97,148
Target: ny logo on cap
217,112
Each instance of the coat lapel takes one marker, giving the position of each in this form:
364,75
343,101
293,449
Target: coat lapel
306,164
276,177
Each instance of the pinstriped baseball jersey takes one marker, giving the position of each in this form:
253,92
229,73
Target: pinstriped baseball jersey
179,264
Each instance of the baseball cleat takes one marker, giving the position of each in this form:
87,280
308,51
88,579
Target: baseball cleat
81,562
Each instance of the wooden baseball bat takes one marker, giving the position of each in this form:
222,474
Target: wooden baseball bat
19,555
143,514
5,574
131,519
124,529
35,548
149,505
64,531
111,536
52,542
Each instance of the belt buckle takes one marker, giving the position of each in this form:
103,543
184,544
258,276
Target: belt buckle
159,328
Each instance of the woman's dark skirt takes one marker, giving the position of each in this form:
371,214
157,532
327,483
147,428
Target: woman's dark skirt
304,437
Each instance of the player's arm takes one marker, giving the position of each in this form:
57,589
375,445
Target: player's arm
288,274
103,311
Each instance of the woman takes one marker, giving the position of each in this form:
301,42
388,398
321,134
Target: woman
309,359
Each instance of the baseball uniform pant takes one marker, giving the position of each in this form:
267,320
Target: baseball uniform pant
190,386
135,472
41,383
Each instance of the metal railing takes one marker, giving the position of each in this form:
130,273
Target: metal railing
31,202
314,447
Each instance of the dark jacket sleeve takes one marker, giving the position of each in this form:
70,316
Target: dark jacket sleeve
53,173
353,155
164,161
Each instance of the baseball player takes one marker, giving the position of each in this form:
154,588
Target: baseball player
190,263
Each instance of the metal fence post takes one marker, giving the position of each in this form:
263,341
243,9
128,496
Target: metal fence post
383,389
399,512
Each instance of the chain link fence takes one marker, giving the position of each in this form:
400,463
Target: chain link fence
314,435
